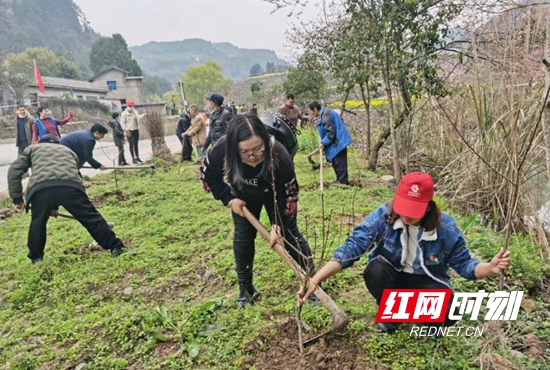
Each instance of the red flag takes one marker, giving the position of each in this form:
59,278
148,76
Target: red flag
38,77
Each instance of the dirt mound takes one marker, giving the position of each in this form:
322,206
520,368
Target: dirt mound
7,213
100,199
280,351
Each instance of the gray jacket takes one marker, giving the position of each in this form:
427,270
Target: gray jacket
51,164
118,132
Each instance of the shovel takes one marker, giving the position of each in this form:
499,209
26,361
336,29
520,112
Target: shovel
339,317
151,167
314,166
71,217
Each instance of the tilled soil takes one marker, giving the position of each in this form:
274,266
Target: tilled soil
100,199
281,351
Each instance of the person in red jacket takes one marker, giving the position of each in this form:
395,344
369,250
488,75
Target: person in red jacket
45,124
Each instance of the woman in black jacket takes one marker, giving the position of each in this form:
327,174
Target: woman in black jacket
118,138
255,166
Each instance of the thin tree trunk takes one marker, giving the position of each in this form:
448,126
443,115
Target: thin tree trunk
366,101
344,102
546,116
395,150
373,162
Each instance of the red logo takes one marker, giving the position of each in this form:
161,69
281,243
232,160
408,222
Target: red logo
413,305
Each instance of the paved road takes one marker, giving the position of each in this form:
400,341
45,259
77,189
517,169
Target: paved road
105,152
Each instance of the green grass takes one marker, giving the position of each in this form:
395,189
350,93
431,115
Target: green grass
76,306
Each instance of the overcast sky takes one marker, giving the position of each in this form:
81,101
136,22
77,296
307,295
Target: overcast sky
245,23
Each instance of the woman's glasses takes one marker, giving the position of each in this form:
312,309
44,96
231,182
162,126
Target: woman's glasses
256,153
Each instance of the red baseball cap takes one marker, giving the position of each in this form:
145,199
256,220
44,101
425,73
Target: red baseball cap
130,104
414,192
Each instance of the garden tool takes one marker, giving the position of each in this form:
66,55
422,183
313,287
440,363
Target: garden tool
314,166
71,217
152,167
339,317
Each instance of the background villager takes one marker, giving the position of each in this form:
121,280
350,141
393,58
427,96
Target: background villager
23,128
130,120
118,138
183,125
335,139
46,124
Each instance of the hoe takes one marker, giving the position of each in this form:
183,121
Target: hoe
339,318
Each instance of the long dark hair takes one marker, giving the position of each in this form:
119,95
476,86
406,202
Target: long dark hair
430,221
243,127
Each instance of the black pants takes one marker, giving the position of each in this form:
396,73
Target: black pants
121,159
134,140
245,233
380,275
187,149
21,148
340,165
78,205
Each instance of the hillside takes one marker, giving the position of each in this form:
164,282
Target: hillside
169,302
23,25
171,59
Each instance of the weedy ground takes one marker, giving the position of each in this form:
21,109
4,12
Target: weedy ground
168,303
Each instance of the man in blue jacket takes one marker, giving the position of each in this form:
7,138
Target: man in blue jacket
83,144
335,139
411,245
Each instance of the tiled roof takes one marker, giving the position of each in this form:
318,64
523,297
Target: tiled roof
65,83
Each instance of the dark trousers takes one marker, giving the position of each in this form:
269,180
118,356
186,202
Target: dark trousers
380,275
20,149
134,140
245,233
121,159
187,149
340,165
78,205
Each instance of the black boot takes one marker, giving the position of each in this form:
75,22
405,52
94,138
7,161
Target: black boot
247,292
117,251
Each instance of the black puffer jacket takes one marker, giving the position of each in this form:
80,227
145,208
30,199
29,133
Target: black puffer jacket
183,125
219,121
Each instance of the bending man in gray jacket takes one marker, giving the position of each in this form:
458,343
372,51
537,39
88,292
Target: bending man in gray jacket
55,181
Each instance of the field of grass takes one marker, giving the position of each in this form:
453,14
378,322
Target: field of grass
168,303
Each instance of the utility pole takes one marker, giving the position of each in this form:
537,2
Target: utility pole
183,101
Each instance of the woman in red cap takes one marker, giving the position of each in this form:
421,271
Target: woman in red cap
411,245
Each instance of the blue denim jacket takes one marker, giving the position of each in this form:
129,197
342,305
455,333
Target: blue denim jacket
443,248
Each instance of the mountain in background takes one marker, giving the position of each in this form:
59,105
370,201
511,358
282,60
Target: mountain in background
170,60
61,26
58,25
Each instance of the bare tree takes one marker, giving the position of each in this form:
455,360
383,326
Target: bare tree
154,125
